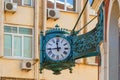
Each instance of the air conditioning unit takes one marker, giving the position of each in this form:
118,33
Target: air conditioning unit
10,7
52,13
26,65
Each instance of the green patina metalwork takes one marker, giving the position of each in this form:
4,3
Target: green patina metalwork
87,45
84,45
45,61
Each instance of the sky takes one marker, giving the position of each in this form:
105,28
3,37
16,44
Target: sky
90,1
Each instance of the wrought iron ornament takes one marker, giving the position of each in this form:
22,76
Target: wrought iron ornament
59,48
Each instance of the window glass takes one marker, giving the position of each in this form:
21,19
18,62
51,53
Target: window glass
7,0
67,5
7,29
70,5
25,31
28,47
60,4
50,3
27,2
7,45
17,46
19,2
10,29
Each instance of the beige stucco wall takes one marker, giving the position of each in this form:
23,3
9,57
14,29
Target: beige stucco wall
67,20
92,25
12,68
23,16
96,4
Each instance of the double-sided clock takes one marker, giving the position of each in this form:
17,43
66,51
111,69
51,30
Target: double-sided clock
58,48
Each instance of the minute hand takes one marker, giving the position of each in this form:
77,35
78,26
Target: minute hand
54,48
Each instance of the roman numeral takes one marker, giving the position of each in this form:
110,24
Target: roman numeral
49,44
53,40
57,40
62,56
57,57
65,52
62,41
48,48
66,48
53,55
50,52
65,44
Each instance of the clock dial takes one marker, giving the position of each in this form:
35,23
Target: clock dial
58,48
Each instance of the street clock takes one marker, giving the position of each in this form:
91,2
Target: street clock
59,48
56,53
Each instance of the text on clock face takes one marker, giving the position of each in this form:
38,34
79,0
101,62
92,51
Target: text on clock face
58,48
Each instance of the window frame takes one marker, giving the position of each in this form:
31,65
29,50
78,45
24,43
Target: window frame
22,36
27,5
23,3
65,6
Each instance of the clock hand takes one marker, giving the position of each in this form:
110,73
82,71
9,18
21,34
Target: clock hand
57,45
54,48
57,48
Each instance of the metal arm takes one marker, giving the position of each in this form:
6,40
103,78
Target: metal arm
79,17
76,32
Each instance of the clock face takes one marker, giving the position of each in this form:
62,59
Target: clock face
58,48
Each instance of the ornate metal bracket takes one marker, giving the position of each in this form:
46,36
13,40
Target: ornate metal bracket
87,45
84,45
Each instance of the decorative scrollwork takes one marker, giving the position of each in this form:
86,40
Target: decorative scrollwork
85,45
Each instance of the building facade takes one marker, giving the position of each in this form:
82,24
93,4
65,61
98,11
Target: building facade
19,39
20,28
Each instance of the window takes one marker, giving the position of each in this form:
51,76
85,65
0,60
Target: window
18,42
90,1
21,2
67,5
7,0
27,2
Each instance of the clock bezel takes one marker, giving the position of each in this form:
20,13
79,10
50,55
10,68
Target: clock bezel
48,37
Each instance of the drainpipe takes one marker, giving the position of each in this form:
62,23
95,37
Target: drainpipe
36,33
44,15
42,21
36,29
1,27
